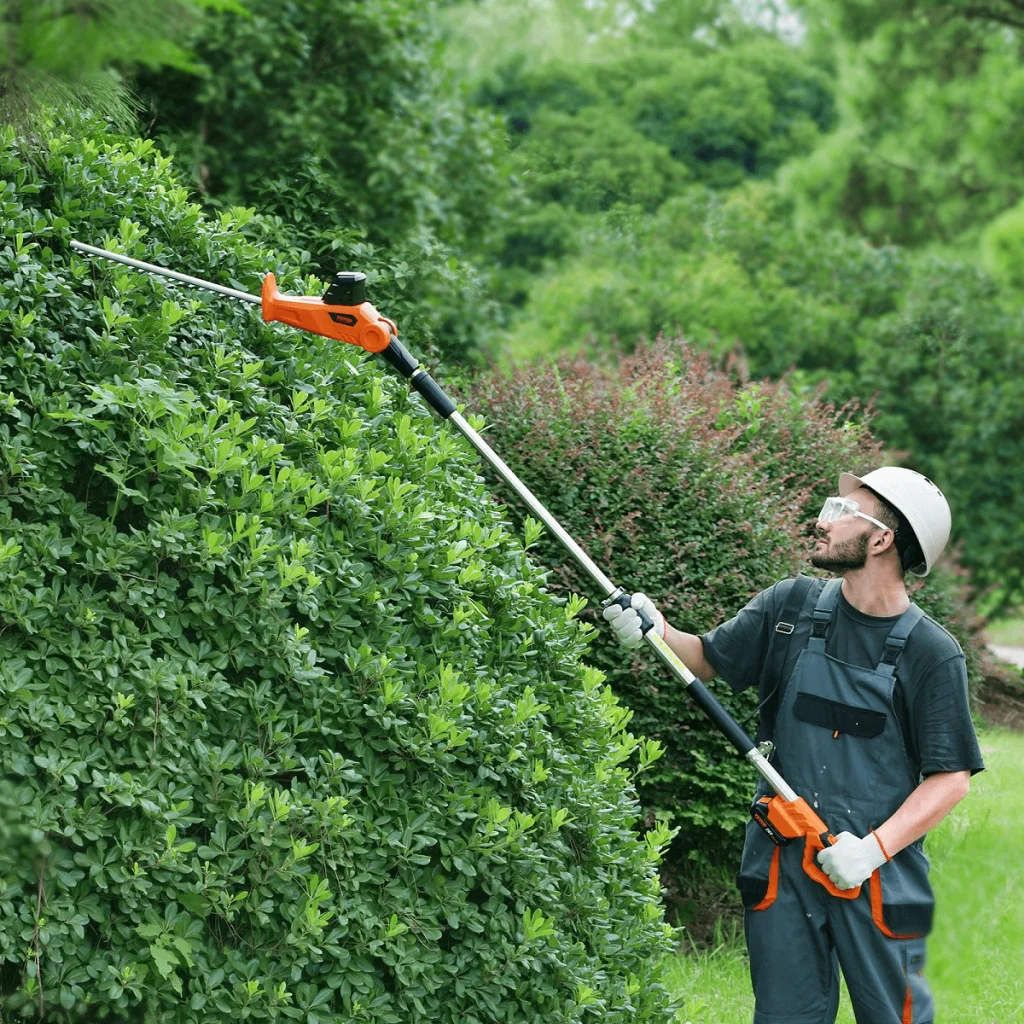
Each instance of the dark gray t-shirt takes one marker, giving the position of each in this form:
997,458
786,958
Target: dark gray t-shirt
930,695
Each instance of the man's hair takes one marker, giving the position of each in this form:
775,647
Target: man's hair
905,540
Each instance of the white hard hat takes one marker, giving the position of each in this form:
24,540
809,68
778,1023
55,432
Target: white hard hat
917,499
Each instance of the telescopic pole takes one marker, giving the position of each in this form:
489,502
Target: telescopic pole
398,356
344,315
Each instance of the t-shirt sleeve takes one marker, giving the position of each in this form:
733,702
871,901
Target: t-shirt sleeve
941,714
736,649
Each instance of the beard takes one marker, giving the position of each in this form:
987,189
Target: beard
843,557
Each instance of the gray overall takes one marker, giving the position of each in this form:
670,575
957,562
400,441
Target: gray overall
841,749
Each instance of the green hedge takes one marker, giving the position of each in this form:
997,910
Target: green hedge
291,729
698,493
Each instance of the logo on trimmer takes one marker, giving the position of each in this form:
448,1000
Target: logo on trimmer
344,318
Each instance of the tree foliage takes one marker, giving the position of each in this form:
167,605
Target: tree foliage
338,120
721,114
929,149
927,341
949,367
734,270
292,730
67,54
1002,249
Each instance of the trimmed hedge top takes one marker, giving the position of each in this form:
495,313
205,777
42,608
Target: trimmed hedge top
291,729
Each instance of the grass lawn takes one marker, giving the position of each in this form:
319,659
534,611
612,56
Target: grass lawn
976,950
1007,632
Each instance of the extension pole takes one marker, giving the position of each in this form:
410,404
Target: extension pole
352,326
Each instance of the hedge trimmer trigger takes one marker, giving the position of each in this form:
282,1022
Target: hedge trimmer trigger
344,315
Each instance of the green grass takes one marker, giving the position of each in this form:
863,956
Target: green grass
976,950
1006,632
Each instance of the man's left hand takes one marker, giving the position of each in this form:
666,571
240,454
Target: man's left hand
851,860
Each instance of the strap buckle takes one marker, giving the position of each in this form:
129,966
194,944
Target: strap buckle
893,650
784,627
820,625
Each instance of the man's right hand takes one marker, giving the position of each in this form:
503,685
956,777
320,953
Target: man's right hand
626,621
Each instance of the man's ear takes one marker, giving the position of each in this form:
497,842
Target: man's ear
883,540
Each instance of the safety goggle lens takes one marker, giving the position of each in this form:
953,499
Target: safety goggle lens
836,508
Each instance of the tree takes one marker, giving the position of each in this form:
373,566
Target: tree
337,120
928,148
61,53
948,368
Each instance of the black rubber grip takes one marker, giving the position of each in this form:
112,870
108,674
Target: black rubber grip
624,601
398,356
726,724
433,394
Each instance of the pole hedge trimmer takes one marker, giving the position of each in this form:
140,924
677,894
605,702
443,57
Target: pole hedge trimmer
344,315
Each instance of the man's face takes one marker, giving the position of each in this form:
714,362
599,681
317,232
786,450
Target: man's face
842,546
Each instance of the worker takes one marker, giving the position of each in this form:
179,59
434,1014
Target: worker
870,723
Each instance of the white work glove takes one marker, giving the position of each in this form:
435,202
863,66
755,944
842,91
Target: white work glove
626,621
851,861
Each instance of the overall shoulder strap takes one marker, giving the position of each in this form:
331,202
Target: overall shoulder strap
897,639
775,675
824,611
786,624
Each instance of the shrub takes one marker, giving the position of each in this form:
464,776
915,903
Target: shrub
291,729
694,491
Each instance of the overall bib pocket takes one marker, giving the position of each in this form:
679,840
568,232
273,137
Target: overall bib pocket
836,717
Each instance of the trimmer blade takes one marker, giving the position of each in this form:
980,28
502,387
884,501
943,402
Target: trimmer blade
173,275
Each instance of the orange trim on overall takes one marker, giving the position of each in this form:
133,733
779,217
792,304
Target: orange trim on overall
876,910
908,1008
773,883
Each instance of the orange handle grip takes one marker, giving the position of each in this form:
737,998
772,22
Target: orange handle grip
795,819
358,325
812,847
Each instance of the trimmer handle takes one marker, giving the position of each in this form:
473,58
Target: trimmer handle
625,601
785,821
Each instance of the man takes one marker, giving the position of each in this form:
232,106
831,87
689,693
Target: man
872,727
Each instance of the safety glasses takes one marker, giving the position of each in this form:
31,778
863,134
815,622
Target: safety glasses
835,509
